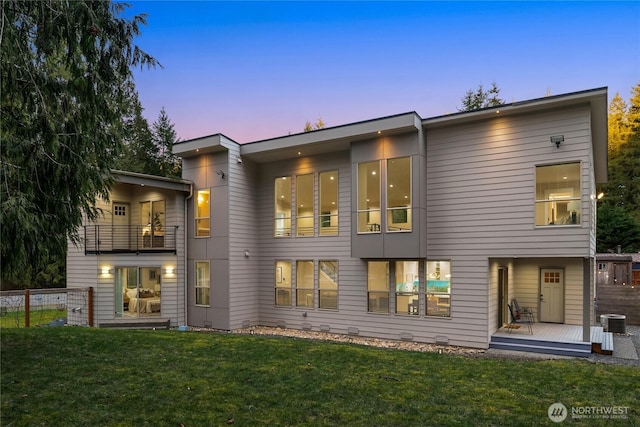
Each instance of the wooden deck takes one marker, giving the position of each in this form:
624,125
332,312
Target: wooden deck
548,338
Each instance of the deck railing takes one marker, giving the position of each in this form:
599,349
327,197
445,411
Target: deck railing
128,238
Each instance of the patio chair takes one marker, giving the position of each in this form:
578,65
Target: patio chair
518,318
522,310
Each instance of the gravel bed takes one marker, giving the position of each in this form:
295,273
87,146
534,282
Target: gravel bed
633,332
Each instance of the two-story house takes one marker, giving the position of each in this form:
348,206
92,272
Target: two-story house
398,227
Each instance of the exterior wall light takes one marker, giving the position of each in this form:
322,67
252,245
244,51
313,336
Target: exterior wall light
557,139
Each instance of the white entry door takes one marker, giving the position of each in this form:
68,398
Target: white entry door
552,295
121,226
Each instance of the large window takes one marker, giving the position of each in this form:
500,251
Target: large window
369,197
304,205
407,285
283,282
152,220
378,286
399,194
282,207
328,284
438,288
328,203
203,213
558,194
203,283
304,284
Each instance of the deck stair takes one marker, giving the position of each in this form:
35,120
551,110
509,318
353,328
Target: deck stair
564,340
601,342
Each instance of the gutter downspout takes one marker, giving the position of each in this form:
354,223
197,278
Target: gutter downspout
186,237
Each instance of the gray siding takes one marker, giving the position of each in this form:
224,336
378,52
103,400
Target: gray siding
82,270
481,185
243,232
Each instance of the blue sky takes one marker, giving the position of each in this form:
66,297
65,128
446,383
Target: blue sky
256,70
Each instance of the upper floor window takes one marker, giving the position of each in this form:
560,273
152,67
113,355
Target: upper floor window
328,203
369,197
203,212
282,207
399,194
558,194
304,205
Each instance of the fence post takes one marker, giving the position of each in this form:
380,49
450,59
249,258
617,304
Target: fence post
27,309
90,308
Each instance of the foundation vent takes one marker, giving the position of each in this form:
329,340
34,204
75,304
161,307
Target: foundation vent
406,336
325,328
306,326
353,331
442,340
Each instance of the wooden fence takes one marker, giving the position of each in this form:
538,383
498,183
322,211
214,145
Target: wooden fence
619,299
47,307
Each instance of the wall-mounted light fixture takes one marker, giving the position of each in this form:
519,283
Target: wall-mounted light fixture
247,254
105,271
168,271
221,173
557,139
239,159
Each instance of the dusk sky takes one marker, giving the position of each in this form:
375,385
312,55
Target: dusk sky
257,70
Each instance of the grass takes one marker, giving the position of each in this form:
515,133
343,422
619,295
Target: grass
72,376
13,319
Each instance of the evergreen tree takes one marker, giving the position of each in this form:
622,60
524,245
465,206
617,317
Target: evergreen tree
164,136
139,151
475,100
65,65
619,211
319,124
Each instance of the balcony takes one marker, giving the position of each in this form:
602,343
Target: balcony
99,239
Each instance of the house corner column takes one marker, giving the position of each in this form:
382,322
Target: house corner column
586,299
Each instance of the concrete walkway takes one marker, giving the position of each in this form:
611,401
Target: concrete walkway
623,347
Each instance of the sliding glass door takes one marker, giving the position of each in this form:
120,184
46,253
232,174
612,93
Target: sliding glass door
138,292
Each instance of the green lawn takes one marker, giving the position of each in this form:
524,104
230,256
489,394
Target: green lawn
73,376
16,319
